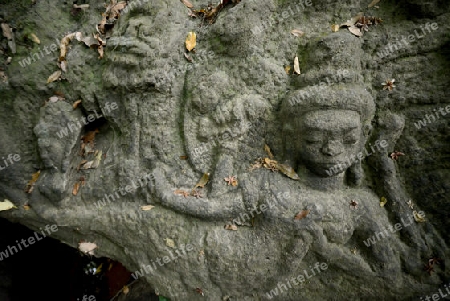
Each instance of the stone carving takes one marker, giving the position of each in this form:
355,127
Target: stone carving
219,111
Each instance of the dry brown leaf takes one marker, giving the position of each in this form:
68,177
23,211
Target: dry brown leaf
76,104
301,214
34,38
335,27
54,77
297,32
373,3
26,207
353,20
191,40
76,187
89,136
34,178
383,201
296,65
87,247
268,151
288,171
187,3
356,31
182,192
147,207
231,227
125,290
64,45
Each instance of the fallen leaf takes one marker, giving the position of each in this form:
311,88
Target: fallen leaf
76,103
187,3
188,58
231,227
296,65
335,27
231,180
191,40
182,192
64,45
373,3
410,204
268,151
7,31
6,205
184,157
87,247
287,69
301,214
356,31
203,181
125,290
170,243
76,187
63,66
81,6
418,217
297,32
147,207
89,136
34,178
288,171
97,160
353,20
55,76
34,38
8,60
199,291
383,201
26,207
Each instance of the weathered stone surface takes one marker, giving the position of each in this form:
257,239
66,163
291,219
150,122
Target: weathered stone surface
220,110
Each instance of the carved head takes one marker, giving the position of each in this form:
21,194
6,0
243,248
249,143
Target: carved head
327,126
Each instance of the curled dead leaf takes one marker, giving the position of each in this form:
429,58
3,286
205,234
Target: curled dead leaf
76,187
191,40
383,201
231,227
301,214
26,207
76,104
296,65
356,31
54,77
34,178
187,3
34,38
125,290
287,69
268,151
297,32
81,6
203,181
87,247
418,217
147,207
353,20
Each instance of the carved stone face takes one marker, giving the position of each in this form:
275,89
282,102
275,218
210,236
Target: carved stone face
328,138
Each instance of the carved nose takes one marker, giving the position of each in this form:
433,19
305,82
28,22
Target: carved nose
332,148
